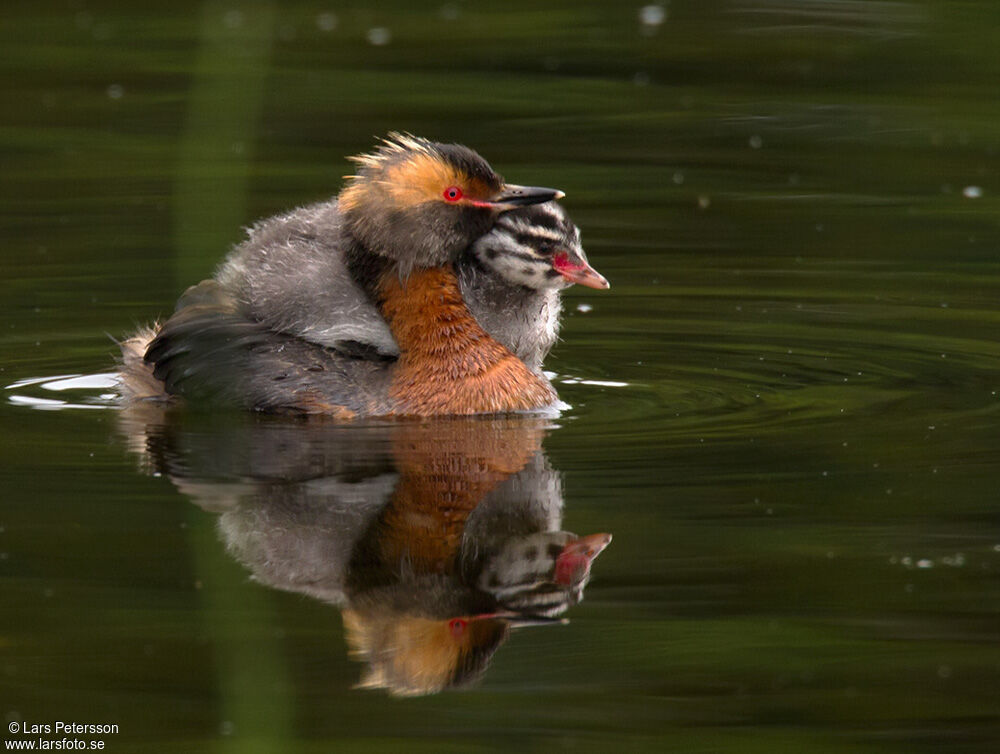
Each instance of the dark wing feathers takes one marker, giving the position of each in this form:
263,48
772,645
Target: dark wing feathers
208,351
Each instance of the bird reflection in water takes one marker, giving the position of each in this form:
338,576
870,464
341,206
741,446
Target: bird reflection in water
435,538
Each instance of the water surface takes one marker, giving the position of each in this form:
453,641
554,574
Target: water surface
785,410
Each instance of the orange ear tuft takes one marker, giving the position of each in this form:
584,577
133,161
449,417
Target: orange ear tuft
420,178
405,170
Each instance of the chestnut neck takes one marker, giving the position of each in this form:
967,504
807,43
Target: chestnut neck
449,364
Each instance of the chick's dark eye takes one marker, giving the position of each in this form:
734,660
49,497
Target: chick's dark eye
453,193
546,247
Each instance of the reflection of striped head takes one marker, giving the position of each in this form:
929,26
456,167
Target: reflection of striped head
537,247
541,574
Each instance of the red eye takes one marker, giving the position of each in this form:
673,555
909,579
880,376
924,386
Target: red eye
453,193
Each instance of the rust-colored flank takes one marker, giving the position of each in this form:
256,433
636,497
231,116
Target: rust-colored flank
449,364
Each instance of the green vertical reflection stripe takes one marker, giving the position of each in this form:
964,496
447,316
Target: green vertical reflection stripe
210,198
253,682
216,146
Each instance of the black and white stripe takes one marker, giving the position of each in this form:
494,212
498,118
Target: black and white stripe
521,577
522,243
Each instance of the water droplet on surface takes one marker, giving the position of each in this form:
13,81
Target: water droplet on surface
327,21
652,16
379,36
233,19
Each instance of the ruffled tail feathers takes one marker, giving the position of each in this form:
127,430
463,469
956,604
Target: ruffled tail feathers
135,376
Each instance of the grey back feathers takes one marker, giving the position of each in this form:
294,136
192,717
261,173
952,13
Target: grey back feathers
291,275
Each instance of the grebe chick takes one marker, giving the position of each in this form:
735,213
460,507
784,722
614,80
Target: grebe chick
511,278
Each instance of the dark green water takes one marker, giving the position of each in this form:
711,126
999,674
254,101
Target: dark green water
786,410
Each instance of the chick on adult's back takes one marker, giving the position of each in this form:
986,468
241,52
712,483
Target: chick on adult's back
414,202
261,334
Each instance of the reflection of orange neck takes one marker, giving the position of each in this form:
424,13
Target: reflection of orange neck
449,364
446,469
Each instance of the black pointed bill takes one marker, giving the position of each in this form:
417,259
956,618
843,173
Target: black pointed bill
512,196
